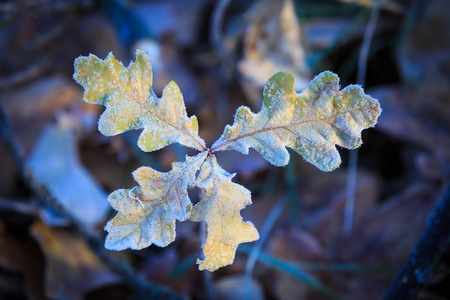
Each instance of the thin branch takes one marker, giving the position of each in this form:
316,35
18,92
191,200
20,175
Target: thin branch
216,23
367,41
256,250
433,241
360,78
23,76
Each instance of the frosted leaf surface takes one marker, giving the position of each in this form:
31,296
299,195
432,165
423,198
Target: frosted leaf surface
220,208
131,103
312,123
146,213
56,165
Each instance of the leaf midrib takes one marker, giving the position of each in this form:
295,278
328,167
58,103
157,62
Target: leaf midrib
285,126
152,209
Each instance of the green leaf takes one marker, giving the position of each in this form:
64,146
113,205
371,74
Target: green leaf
220,208
147,213
312,122
131,103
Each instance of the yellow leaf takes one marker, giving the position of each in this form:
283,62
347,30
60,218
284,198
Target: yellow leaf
219,208
147,213
312,122
131,103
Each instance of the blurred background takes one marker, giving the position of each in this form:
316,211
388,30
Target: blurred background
57,169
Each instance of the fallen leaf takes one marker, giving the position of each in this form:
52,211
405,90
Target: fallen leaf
72,269
33,106
272,43
54,163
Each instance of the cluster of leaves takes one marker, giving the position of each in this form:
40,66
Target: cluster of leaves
312,123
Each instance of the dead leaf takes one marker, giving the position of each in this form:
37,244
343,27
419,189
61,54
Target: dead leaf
31,107
272,43
72,269
55,164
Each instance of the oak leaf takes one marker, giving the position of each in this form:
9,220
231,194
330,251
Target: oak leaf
146,213
312,123
131,103
219,208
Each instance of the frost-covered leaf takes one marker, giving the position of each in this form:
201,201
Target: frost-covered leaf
219,208
146,213
312,122
131,103
56,165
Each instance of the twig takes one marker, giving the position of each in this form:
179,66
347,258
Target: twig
21,208
433,241
360,78
216,22
256,250
142,288
23,76
367,41
226,58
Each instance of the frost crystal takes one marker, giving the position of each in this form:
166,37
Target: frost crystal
312,123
